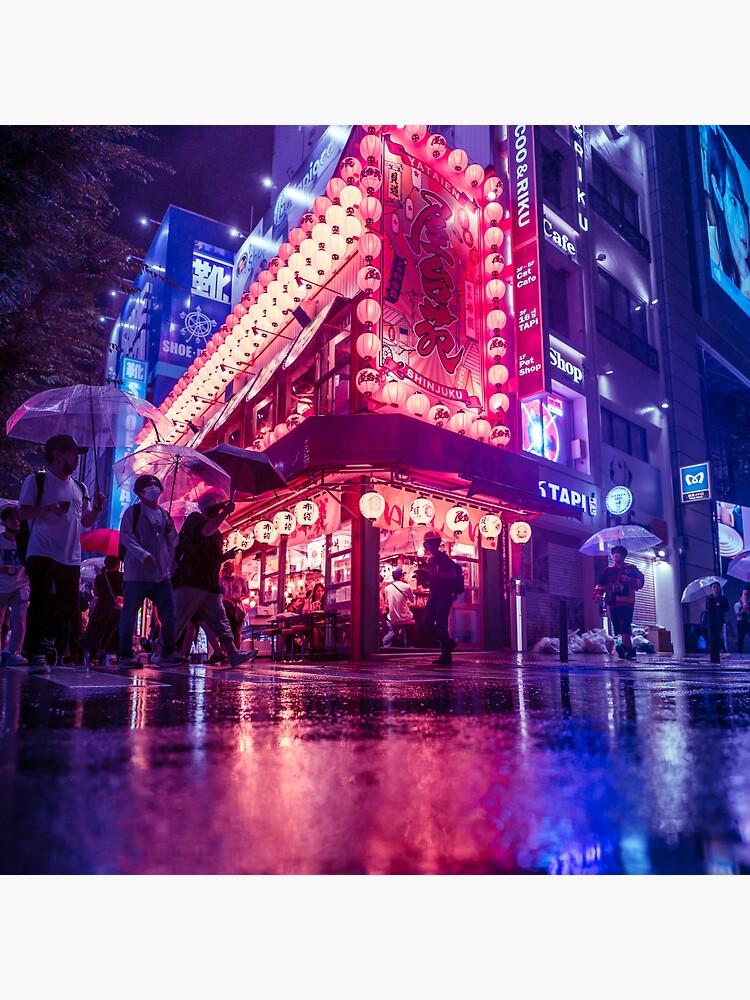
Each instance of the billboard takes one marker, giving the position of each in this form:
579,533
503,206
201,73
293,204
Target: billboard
726,189
733,523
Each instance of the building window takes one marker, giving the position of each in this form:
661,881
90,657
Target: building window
615,201
558,313
624,435
621,318
552,177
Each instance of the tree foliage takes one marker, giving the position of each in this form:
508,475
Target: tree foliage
58,260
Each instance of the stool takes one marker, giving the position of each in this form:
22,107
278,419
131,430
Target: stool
288,637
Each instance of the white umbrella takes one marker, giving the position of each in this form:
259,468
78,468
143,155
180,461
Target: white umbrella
700,588
739,567
632,536
179,469
406,540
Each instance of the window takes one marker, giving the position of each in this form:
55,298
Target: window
615,191
557,301
616,305
624,435
552,178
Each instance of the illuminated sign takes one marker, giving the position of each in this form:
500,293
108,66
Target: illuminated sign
543,427
527,299
565,367
618,500
568,497
579,150
554,233
133,373
695,482
520,532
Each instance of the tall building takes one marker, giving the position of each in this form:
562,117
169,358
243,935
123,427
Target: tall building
513,334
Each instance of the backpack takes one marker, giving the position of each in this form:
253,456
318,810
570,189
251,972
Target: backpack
459,585
24,532
121,550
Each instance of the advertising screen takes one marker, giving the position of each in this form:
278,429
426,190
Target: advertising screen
544,427
734,531
726,190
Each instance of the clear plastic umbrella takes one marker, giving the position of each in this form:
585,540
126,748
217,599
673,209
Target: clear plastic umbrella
180,470
700,588
739,567
632,536
408,540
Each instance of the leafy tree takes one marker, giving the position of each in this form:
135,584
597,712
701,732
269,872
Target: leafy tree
58,260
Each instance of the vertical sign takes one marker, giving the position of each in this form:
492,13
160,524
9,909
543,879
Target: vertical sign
133,374
527,299
695,483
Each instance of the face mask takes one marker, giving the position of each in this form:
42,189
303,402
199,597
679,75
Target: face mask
151,493
69,467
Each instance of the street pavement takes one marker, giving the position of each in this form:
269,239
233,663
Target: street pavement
498,764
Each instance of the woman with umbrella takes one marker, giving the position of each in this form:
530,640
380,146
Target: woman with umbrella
618,585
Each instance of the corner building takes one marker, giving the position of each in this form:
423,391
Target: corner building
459,327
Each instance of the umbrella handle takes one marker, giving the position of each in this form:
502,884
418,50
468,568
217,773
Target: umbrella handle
174,482
93,442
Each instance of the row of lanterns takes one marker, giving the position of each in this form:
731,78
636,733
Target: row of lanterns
422,511
498,401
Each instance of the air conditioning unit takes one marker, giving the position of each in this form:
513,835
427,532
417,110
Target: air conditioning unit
578,448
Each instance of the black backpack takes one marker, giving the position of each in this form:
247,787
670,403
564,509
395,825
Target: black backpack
121,550
24,532
459,585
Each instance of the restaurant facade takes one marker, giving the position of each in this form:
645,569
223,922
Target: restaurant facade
398,349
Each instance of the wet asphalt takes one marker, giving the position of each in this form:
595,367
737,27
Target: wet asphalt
499,764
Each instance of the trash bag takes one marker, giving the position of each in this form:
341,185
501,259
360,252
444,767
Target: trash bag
546,645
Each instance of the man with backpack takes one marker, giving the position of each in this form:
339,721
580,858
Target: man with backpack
148,540
400,599
446,582
56,507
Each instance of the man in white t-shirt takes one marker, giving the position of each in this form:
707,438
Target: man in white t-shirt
14,589
53,558
399,597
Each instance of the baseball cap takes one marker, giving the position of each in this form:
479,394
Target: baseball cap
432,536
397,573
211,498
62,442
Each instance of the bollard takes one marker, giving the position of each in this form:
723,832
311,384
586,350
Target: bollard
714,631
563,631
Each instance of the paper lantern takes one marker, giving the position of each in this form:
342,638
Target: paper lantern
437,146
280,430
293,420
418,404
493,213
500,435
496,320
306,512
369,278
371,180
369,246
416,132
494,290
368,381
265,533
352,228
334,188
498,375
497,348
460,422
335,218
296,236
321,206
337,245
370,209
422,510
494,264
367,345
351,170
480,429
307,223
350,198
368,311
458,160
493,238
394,393
285,522
439,414
474,174
457,519
371,147
520,532
493,188
372,505
490,526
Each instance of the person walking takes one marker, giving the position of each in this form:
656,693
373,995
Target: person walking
14,590
199,556
101,634
57,507
742,613
234,591
149,537
442,575
400,599
717,608
618,585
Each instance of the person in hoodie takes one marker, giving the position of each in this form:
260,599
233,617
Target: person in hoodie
149,537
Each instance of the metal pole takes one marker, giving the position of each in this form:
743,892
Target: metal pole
563,631
714,631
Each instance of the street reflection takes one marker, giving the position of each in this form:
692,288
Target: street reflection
529,770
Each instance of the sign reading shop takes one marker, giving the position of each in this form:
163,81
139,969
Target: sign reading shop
564,367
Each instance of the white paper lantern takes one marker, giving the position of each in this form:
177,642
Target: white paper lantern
520,532
368,381
372,504
394,393
439,414
422,510
457,519
307,512
418,404
284,522
500,435
480,429
265,533
490,526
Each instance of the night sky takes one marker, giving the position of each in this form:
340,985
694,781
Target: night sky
219,169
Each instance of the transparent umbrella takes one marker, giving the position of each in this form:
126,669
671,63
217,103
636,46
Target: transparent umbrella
179,469
699,588
632,536
739,567
406,540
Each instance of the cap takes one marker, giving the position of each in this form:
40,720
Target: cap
211,498
432,536
62,442
397,573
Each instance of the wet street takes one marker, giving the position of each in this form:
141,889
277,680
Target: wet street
393,766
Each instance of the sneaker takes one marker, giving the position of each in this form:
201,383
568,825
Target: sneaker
244,657
630,655
49,650
169,660
38,664
131,662
620,651
442,661
15,660
217,658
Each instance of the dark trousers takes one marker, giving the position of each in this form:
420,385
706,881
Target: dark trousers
134,593
53,603
436,614
743,629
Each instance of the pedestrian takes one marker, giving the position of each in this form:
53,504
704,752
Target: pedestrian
57,507
14,590
199,557
234,591
101,635
717,608
442,575
400,599
618,585
742,613
149,538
